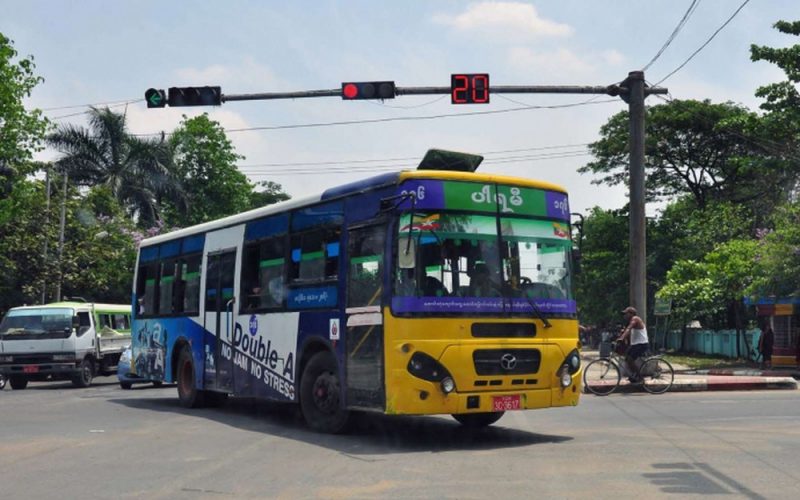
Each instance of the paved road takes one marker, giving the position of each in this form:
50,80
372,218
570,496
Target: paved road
103,442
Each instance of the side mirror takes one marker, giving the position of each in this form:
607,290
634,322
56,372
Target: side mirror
576,260
406,252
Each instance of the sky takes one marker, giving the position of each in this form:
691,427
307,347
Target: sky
96,52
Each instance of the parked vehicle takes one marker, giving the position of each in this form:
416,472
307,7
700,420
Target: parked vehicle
65,340
126,377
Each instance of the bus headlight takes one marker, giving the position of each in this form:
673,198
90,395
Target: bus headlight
6,359
565,377
448,385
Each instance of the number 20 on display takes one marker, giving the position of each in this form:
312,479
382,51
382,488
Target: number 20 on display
469,88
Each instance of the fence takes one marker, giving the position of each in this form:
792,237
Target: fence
719,343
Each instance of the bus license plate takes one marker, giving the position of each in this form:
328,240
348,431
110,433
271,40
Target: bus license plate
506,403
30,369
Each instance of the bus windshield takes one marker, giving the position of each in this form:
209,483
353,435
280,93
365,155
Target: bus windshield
459,262
25,324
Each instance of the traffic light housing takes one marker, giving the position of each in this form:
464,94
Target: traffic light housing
352,91
195,96
156,98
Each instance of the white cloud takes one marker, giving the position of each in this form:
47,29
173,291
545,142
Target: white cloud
505,21
613,57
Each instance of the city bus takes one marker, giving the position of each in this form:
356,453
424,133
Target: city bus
418,292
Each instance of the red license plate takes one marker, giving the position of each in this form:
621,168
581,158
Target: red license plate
30,369
506,403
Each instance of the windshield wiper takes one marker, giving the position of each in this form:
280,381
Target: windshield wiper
538,312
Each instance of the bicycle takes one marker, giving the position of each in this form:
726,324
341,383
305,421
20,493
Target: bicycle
602,376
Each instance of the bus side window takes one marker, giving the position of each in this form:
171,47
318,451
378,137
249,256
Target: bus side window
146,287
166,284
263,274
365,253
190,284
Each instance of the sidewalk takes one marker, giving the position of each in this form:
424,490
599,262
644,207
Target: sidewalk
720,379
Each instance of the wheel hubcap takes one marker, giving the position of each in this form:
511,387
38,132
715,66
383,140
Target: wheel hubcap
326,393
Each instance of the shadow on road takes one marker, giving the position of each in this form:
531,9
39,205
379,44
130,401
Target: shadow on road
370,434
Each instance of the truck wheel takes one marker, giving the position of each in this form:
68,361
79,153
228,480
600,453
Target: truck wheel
319,395
188,393
85,374
18,383
126,385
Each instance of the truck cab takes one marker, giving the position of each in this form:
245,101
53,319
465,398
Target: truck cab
63,341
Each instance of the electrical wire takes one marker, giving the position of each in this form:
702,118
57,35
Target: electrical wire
678,28
684,63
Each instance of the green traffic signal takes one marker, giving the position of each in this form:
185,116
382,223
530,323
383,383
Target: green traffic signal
155,98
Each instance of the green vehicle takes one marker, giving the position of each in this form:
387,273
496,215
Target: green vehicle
63,341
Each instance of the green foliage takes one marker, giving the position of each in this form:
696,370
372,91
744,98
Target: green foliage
267,193
137,171
206,160
708,151
778,255
601,288
21,130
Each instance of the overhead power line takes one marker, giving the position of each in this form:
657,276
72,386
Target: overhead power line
678,28
684,63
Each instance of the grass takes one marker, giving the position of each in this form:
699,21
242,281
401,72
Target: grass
703,361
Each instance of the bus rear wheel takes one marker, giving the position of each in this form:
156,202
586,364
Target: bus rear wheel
478,420
319,395
188,393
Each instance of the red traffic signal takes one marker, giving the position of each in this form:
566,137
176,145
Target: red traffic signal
472,88
352,91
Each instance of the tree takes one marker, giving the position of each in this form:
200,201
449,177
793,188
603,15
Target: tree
135,170
21,130
270,193
205,160
709,151
601,288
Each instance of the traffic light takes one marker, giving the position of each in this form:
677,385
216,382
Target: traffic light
156,98
352,91
195,96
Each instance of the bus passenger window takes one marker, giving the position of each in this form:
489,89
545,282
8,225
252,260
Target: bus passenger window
166,287
190,279
366,262
262,274
146,289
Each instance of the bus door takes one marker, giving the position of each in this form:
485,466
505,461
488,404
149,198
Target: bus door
220,318
364,317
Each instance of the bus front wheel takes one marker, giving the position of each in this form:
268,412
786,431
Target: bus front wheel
18,383
319,395
188,393
478,420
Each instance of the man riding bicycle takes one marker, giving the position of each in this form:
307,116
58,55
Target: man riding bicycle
637,331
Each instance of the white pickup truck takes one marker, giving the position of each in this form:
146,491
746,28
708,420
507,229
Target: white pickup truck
64,340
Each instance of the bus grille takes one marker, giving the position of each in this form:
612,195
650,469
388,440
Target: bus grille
506,361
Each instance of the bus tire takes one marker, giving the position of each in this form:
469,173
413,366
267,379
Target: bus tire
188,393
85,374
215,399
18,383
478,420
319,395
126,385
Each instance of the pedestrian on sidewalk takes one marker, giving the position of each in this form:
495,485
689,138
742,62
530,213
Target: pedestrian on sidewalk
765,342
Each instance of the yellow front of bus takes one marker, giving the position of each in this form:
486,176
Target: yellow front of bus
481,318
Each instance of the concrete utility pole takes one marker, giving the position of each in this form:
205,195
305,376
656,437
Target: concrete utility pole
638,229
632,90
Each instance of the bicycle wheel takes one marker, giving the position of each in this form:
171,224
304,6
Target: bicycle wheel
656,375
601,377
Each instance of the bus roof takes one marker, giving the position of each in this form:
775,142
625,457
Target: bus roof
347,189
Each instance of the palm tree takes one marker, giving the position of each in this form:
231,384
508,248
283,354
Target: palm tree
137,171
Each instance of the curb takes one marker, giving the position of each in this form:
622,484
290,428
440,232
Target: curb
722,383
743,372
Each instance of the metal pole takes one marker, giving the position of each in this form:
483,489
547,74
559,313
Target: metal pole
46,236
61,239
638,253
